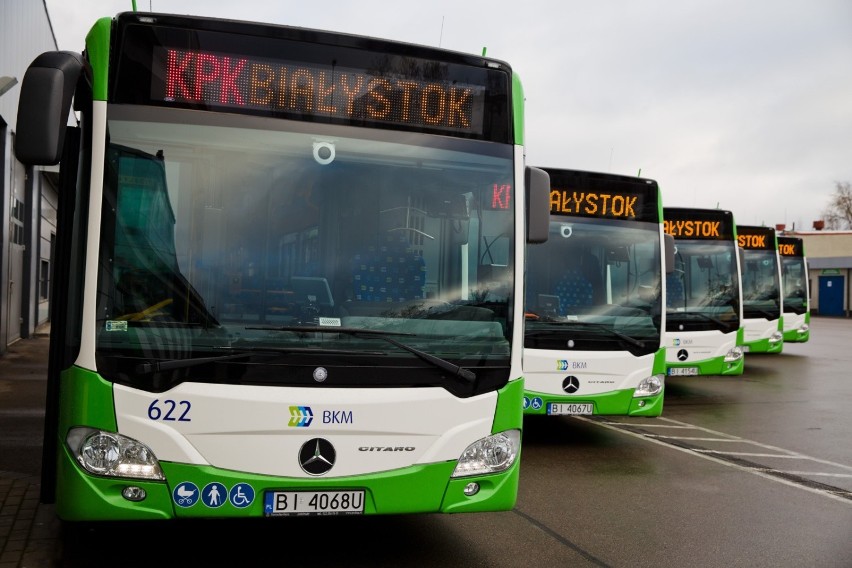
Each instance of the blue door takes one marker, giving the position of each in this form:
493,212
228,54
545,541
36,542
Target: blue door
831,295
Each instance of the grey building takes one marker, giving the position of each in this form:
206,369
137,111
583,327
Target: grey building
30,195
829,255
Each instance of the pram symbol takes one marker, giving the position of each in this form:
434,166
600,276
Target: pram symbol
186,494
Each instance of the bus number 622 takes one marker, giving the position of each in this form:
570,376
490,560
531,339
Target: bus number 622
166,410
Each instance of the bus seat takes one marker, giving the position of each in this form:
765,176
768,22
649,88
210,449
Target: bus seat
574,290
388,272
674,291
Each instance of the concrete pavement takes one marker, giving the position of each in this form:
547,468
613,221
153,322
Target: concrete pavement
29,530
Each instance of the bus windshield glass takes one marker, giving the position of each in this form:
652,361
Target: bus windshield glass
703,291
255,239
595,282
795,275
760,284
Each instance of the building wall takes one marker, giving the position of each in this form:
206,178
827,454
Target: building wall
829,253
25,32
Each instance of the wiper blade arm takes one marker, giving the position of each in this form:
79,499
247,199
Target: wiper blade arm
158,366
700,314
465,374
623,336
467,378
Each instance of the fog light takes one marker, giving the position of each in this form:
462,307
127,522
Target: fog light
804,328
471,489
133,493
641,403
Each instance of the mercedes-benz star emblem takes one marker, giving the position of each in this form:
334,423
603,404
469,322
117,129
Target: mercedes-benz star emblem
571,384
682,355
317,456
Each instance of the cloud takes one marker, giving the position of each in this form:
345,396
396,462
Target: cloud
741,104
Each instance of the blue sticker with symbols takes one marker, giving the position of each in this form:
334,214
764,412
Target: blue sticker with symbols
526,402
214,495
241,495
185,494
536,403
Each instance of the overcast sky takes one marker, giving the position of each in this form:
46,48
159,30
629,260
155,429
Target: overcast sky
744,105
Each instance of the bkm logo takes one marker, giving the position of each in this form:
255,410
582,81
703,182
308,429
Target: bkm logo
301,416
571,384
682,355
562,365
675,342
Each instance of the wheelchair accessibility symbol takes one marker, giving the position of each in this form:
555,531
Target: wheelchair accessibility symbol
185,494
241,495
536,403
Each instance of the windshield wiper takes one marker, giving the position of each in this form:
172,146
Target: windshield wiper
169,365
699,314
769,315
468,377
623,336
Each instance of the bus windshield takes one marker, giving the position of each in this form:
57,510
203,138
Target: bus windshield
230,235
794,273
597,282
703,291
760,285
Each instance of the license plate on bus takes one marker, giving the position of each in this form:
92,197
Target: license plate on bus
571,408
683,371
286,503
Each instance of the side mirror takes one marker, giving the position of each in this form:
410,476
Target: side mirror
537,182
46,92
668,241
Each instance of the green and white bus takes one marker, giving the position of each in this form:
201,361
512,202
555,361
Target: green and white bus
593,342
704,308
292,260
795,282
762,295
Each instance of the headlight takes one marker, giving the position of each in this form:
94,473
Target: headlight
493,454
113,455
649,386
734,354
804,328
776,337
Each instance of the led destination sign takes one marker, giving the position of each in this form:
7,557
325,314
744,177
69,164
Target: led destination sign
594,204
314,90
789,246
756,238
608,196
698,224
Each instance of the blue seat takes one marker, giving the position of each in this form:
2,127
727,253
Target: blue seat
388,272
574,290
674,291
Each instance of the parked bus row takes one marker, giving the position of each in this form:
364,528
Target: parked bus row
310,273
613,307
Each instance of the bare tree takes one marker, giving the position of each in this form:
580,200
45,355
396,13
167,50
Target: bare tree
838,213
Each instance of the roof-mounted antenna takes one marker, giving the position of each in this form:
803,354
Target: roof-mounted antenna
484,49
441,37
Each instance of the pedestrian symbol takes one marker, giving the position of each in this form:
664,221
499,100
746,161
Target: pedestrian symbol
526,402
214,494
